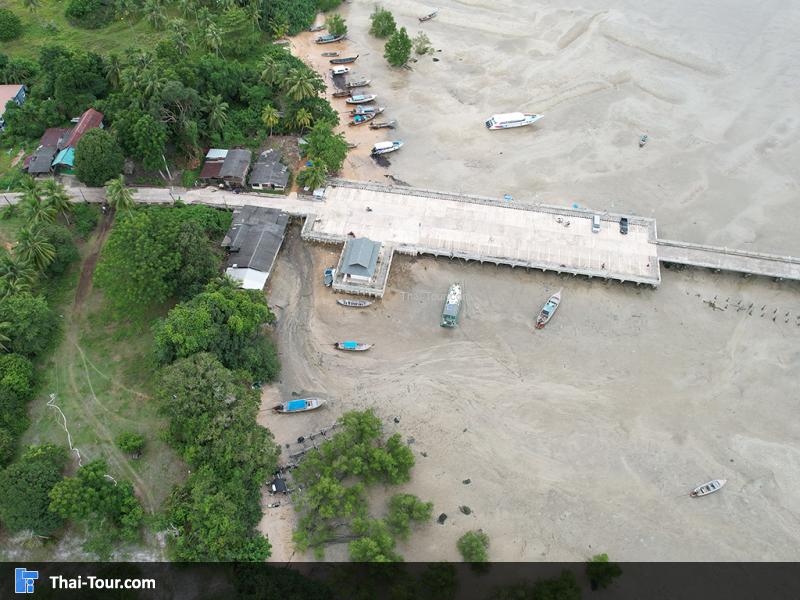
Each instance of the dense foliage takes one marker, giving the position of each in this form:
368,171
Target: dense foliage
212,416
398,49
405,509
31,324
25,490
155,253
563,587
131,442
474,546
98,157
10,25
382,23
90,14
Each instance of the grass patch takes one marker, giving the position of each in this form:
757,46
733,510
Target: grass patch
48,25
9,228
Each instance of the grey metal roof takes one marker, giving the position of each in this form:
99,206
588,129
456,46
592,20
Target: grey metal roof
236,164
268,170
42,160
360,257
255,237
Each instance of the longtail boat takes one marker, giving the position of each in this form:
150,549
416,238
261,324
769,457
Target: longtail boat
352,346
296,406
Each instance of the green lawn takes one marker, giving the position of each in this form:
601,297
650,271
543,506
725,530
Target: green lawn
48,25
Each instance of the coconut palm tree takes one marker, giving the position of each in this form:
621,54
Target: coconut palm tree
269,69
313,177
113,70
118,196
303,119
301,84
56,197
217,113
15,275
213,38
33,248
154,14
270,117
254,14
35,210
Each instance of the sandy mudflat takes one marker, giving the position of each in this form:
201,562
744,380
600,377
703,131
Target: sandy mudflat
581,438
584,437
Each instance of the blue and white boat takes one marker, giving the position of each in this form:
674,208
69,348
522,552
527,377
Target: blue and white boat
548,310
511,120
386,147
297,406
352,346
361,98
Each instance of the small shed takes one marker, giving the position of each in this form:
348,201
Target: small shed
268,172
359,258
235,167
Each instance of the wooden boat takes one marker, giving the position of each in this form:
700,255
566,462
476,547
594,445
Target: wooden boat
386,147
712,486
429,16
367,110
296,406
326,54
353,303
358,83
361,119
352,346
341,94
361,98
548,310
329,39
344,61
315,28
383,125
336,71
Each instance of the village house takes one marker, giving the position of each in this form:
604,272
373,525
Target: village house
57,145
253,242
268,172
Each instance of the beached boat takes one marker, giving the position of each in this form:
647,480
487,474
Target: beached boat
341,94
548,310
351,145
386,147
352,346
361,98
327,54
301,405
383,125
361,119
358,83
316,28
336,71
329,39
429,16
452,306
511,120
708,488
344,61
367,110
353,303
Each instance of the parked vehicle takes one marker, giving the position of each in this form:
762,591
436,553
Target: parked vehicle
595,223
623,225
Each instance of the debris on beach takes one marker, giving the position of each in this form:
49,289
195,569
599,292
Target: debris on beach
442,518
397,419
465,510
642,141
467,481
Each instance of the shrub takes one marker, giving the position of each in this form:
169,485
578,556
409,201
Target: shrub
16,375
383,24
131,442
32,325
6,446
473,546
89,14
398,49
404,508
98,158
10,25
85,218
66,251
335,25
422,43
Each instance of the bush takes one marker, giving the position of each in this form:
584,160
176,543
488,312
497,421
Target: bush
398,49
31,324
473,546
335,25
383,24
84,219
131,442
16,375
404,508
89,14
10,25
98,158
66,251
422,44
6,446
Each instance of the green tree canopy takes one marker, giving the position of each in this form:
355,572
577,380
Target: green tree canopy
335,25
130,442
325,148
25,487
10,25
398,49
405,508
98,158
32,325
474,546
150,138
376,544
66,252
382,23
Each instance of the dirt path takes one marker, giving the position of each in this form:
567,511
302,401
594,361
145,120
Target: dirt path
89,264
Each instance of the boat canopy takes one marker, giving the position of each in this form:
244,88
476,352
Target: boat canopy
349,345
508,117
295,405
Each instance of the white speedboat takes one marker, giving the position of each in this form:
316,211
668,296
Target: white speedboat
510,120
386,147
712,486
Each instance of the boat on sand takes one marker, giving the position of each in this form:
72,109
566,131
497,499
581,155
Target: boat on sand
352,346
383,125
367,110
358,83
511,120
361,98
361,119
712,486
429,16
341,94
327,54
343,61
336,71
386,147
353,303
301,405
548,310
329,39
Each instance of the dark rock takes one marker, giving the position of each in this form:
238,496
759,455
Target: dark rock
465,509
397,419
301,439
442,518
435,59
467,481
425,454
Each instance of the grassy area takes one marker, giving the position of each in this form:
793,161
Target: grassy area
9,229
102,376
48,25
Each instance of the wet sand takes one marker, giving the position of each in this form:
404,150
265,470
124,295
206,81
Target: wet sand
585,437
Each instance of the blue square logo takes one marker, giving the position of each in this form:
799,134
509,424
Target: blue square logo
24,580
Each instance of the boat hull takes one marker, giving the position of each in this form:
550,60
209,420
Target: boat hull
548,310
343,61
361,100
348,348
530,120
712,486
354,303
298,406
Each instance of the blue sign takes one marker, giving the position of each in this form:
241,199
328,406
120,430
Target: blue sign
24,580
